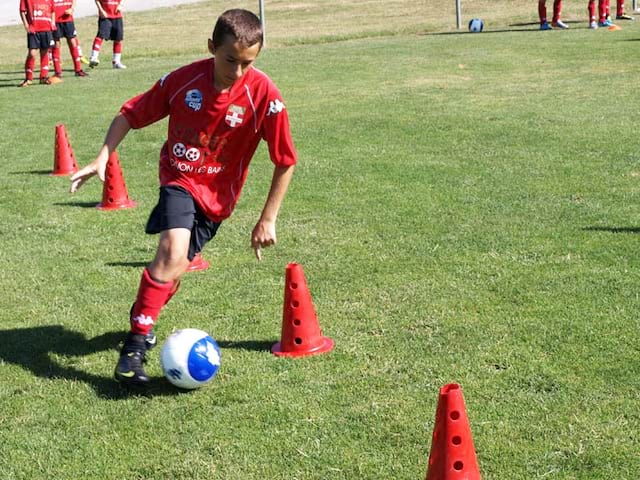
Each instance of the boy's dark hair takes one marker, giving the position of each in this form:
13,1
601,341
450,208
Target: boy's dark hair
242,25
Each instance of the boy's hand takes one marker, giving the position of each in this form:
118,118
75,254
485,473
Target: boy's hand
98,166
263,235
68,11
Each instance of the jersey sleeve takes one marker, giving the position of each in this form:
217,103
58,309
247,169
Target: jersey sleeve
148,107
277,132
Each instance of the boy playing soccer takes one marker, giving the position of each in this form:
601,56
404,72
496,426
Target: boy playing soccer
219,109
38,18
65,28
110,27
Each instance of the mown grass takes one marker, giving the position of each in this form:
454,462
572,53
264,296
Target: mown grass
464,209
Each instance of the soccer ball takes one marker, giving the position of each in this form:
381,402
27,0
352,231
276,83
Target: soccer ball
476,25
190,358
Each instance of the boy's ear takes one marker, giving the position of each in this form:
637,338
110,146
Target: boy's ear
212,48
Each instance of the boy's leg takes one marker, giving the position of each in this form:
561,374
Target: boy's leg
117,55
44,65
57,63
94,61
75,56
542,11
159,282
29,66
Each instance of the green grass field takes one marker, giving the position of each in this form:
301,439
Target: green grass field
465,209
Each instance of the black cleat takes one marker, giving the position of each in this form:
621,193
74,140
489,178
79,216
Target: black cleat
129,370
150,340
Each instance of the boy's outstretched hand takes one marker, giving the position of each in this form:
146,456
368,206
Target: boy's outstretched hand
263,235
98,166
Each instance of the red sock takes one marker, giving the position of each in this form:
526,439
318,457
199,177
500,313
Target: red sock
117,47
557,10
152,296
57,64
592,11
620,8
97,45
29,65
602,10
542,12
75,55
44,63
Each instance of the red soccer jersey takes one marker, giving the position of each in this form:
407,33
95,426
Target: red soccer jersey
110,6
62,6
38,14
212,136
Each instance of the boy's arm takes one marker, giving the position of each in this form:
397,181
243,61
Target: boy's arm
264,233
117,131
25,22
101,12
120,5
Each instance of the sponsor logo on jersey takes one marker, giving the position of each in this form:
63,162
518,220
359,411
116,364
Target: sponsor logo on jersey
179,150
193,99
234,115
193,154
275,107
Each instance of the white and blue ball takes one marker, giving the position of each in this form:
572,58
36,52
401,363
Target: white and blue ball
476,25
190,358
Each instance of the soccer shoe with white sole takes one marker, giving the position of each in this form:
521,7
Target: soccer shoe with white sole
26,83
94,62
545,26
119,66
593,25
560,24
129,370
624,16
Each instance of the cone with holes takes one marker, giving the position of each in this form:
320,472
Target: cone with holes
64,160
301,333
114,190
197,264
452,456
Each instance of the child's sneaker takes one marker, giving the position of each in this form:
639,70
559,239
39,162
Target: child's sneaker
119,66
81,73
593,25
26,83
624,16
129,369
560,24
84,60
94,62
150,340
605,23
545,26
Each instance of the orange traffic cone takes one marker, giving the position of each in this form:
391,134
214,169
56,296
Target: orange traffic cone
198,263
301,333
64,160
452,456
114,190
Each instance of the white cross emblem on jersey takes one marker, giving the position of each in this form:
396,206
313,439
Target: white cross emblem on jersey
232,118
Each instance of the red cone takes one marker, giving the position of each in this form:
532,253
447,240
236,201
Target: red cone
301,333
198,263
114,190
64,160
452,456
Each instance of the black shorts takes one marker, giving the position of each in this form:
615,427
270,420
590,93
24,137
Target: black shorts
111,29
64,30
177,209
39,40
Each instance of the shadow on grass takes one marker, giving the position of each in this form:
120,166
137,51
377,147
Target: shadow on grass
613,229
32,172
254,345
127,264
32,349
77,204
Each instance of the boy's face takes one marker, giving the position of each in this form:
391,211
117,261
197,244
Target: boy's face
232,61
